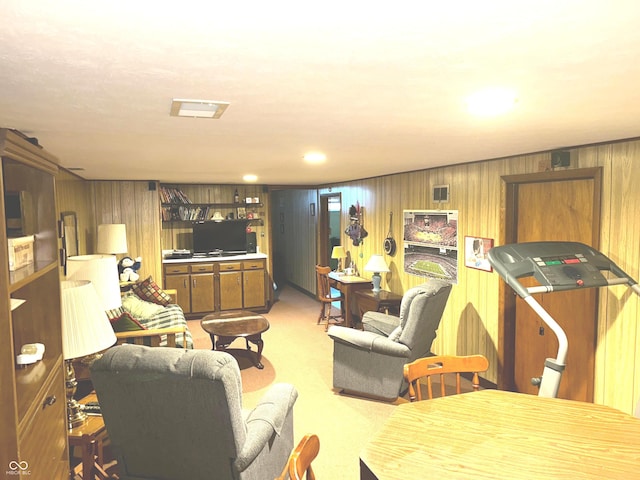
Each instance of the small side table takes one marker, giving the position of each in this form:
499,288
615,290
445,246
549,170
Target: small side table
90,437
382,301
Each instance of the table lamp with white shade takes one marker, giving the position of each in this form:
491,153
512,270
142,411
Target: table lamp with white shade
102,271
85,330
112,238
338,253
377,265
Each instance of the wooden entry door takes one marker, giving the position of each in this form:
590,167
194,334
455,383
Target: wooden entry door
555,206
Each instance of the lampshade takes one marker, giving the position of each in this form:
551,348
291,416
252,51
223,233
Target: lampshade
112,238
85,326
376,264
338,252
102,271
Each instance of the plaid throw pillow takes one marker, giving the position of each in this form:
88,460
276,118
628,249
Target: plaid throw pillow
149,291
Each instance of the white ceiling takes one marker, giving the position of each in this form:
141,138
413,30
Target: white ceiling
379,87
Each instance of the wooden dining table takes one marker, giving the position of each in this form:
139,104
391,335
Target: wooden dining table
494,434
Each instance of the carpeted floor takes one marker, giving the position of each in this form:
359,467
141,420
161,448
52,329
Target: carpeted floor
298,351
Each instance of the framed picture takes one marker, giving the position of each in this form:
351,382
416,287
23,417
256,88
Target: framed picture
475,253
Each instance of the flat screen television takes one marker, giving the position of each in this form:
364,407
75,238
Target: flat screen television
228,237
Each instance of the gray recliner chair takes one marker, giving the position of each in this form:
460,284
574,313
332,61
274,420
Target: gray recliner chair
371,362
174,414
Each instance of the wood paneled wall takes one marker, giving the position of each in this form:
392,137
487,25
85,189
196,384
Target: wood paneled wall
128,202
470,322
138,207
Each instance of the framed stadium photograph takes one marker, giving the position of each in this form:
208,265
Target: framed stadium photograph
430,242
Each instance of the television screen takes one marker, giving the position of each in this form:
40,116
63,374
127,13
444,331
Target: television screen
227,237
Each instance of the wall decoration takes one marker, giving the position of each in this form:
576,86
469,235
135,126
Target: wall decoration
430,243
356,231
475,253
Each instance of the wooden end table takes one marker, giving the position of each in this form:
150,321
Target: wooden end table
228,326
382,301
90,437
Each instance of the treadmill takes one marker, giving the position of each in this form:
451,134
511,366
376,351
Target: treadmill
557,266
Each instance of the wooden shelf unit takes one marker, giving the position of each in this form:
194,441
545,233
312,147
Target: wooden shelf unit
32,398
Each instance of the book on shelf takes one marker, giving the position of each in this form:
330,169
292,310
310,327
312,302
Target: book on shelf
173,195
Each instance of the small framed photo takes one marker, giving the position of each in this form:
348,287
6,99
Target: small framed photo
242,212
475,253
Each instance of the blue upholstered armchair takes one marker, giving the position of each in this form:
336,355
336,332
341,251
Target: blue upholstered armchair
174,414
371,362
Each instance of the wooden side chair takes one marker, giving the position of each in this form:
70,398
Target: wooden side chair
425,368
326,298
300,459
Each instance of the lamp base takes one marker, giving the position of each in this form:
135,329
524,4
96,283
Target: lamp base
75,415
376,278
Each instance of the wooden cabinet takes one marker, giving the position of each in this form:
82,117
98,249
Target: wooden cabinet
206,287
33,426
230,285
253,286
202,288
194,284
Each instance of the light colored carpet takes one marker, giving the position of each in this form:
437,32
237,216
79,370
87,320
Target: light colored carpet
298,351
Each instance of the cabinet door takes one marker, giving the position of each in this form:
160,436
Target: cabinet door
180,283
254,288
202,293
230,290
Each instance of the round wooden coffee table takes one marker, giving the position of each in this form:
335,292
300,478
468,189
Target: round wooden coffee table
228,326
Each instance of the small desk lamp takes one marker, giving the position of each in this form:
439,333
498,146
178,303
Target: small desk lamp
339,253
376,264
85,330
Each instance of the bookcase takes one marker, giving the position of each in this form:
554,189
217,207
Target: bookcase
33,438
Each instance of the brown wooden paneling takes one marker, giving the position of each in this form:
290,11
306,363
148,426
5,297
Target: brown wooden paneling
470,322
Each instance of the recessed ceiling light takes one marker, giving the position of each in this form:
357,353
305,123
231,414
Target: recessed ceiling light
315,157
491,102
250,177
197,108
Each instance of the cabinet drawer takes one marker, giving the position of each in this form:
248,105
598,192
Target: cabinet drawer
199,268
253,265
171,269
229,266
48,424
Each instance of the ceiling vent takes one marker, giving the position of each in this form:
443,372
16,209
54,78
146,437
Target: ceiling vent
197,108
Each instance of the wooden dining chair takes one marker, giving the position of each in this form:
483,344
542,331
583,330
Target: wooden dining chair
300,459
326,298
425,368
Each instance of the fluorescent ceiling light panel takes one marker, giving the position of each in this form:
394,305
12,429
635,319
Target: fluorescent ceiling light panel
197,108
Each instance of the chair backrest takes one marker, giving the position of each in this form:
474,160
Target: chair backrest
200,392
442,365
322,276
301,458
420,314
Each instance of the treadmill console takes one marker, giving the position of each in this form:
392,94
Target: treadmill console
558,265
567,270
